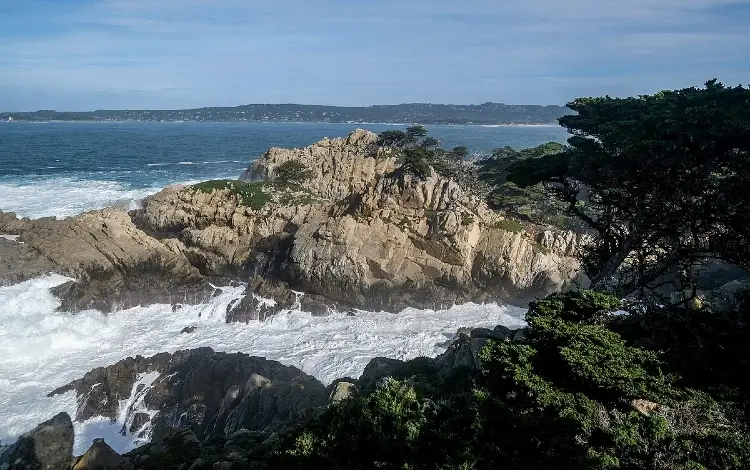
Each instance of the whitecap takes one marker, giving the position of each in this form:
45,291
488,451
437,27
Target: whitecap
63,196
42,349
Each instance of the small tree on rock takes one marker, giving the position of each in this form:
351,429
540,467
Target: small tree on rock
292,172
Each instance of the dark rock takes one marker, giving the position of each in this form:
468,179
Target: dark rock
49,446
380,367
100,456
113,293
189,329
139,421
210,393
19,262
499,332
255,306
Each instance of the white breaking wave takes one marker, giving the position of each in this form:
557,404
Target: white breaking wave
64,197
41,349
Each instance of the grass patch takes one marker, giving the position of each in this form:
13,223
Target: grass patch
509,225
249,194
256,195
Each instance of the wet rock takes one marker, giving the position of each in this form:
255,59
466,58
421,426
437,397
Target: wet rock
208,392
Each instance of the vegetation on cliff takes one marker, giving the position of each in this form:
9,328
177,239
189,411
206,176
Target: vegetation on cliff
588,385
593,382
579,389
284,189
661,180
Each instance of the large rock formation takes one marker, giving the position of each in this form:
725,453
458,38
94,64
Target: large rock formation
354,235
210,393
49,446
340,167
116,264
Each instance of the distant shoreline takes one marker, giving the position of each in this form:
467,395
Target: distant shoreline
495,114
395,124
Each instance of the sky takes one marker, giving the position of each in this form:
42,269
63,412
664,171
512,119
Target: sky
158,54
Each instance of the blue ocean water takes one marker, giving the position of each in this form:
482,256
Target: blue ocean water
61,169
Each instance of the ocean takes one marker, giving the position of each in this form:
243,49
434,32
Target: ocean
62,169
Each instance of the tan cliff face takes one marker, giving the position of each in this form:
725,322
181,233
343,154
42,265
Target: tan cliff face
341,166
374,240
365,238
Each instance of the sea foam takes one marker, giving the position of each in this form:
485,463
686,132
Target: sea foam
42,349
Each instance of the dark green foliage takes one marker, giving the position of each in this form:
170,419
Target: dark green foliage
292,172
392,138
249,194
418,153
509,225
524,202
415,134
416,162
571,385
256,195
460,152
661,179
381,430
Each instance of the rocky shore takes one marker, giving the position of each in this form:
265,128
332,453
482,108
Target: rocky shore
354,235
202,409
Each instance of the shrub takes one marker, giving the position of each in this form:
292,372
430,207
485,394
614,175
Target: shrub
509,225
249,194
292,172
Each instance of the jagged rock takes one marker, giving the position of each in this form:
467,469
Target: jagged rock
49,446
341,391
340,166
100,456
205,391
116,264
379,367
365,238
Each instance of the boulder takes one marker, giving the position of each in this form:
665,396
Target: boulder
100,456
207,392
341,391
49,446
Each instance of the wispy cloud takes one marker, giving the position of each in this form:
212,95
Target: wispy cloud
139,53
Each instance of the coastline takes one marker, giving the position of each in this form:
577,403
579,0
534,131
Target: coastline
356,123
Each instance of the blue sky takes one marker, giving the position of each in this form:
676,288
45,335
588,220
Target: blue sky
93,54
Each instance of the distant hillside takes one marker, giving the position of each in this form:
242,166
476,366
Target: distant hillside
422,113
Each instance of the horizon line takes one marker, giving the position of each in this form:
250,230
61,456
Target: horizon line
281,104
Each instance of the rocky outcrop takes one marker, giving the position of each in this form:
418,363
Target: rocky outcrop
115,263
357,235
19,262
372,239
49,446
340,167
434,374
210,393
